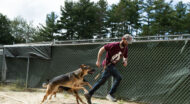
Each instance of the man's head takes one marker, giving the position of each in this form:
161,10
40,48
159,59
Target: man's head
126,39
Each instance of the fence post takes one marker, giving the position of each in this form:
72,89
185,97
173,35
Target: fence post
27,72
4,67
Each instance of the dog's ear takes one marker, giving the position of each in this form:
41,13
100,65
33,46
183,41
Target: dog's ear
81,66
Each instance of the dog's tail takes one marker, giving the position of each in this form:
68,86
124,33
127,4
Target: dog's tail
44,85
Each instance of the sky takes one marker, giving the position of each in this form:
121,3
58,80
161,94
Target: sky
36,10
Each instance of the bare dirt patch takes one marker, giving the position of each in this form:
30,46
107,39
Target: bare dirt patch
14,94
12,97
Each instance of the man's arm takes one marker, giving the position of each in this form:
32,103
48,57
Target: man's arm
101,51
125,61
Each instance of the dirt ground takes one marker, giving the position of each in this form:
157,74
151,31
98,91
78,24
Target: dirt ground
29,97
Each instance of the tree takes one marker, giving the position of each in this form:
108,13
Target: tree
46,33
86,13
125,17
113,21
178,26
187,20
5,30
135,17
122,12
78,20
162,17
102,18
67,21
147,17
22,31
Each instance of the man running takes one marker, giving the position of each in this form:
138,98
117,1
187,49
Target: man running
114,51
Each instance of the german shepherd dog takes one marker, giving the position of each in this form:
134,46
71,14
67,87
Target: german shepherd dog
71,82
69,90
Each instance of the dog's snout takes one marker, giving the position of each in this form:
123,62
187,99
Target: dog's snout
91,71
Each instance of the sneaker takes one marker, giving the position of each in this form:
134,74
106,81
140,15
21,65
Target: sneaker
88,98
111,98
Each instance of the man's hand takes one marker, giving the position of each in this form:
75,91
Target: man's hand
98,64
124,63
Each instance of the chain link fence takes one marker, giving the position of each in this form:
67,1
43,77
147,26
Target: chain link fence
158,72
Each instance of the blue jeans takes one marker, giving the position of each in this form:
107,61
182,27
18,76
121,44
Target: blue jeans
109,71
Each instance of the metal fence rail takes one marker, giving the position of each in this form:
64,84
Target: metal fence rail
135,39
107,40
